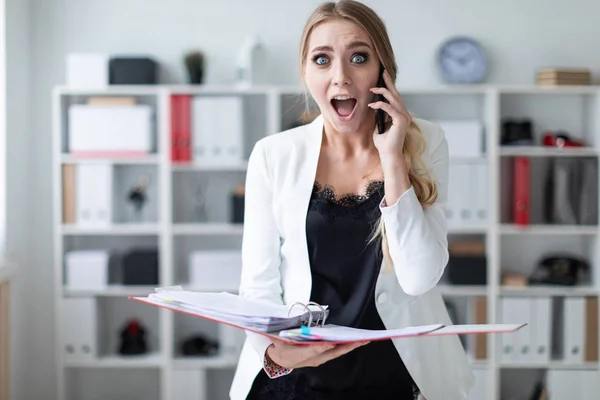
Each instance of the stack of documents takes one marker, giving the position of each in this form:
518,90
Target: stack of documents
303,324
235,310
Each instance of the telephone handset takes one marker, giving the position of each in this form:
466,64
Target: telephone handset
380,114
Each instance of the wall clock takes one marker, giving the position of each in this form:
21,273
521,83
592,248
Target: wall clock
462,60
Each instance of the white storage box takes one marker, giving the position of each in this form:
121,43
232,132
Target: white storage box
215,270
87,70
110,131
79,329
87,269
465,137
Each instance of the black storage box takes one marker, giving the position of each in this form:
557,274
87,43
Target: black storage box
132,71
467,270
140,267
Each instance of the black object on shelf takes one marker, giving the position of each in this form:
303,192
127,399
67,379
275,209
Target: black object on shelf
517,132
140,267
467,270
563,270
133,338
132,71
237,206
199,345
194,64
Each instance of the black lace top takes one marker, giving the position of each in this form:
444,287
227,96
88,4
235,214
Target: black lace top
344,267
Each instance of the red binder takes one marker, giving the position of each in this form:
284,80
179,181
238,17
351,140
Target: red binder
174,128
181,128
521,190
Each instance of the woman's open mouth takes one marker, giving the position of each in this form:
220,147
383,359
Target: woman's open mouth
344,107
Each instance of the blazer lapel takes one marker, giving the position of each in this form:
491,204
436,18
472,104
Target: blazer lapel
306,172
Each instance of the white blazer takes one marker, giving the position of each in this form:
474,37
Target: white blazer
280,177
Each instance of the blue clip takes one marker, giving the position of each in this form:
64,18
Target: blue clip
305,330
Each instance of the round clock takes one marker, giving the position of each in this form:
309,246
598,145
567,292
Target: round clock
462,60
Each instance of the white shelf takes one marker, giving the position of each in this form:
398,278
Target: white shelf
115,229
448,290
192,166
126,90
218,361
152,360
208,229
548,90
110,291
541,151
145,160
544,290
512,229
551,365
467,230
486,103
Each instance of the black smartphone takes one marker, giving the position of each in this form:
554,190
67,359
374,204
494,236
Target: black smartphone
380,114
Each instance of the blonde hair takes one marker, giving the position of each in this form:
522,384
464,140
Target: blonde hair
414,144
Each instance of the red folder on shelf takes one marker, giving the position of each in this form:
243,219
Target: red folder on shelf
181,128
521,190
295,324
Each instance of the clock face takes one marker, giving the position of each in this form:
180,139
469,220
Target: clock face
462,60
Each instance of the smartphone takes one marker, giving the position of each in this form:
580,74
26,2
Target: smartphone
380,114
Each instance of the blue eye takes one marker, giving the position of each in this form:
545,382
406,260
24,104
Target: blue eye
359,58
320,59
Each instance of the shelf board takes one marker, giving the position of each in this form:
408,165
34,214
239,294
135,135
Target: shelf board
127,90
550,365
110,291
145,160
114,229
449,290
548,290
541,151
467,230
208,229
554,89
152,360
193,166
199,362
541,229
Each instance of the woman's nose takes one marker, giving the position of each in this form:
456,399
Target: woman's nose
340,75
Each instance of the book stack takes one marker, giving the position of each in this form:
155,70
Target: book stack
562,77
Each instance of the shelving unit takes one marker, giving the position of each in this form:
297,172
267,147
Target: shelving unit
164,373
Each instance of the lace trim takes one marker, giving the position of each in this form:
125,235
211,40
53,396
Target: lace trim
348,199
349,205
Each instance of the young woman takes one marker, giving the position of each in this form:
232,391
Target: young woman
342,215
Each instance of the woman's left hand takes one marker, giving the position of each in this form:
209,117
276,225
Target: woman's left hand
391,142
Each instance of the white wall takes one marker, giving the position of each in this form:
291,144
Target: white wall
19,161
520,36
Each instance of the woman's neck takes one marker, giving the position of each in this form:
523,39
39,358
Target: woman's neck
349,145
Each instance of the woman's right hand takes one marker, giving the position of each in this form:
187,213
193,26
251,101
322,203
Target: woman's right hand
298,356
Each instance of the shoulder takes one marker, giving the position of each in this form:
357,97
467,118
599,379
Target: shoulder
282,145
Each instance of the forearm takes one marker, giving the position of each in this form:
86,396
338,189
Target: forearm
395,175
416,242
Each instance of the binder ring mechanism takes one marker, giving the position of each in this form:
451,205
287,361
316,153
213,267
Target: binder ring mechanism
321,318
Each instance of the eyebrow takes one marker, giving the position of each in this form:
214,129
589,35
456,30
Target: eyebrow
351,45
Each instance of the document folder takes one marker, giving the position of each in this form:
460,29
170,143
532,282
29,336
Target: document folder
297,323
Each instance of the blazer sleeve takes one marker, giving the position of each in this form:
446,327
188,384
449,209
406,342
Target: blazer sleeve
260,277
417,236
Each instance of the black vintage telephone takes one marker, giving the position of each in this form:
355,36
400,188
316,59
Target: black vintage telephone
559,270
380,114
